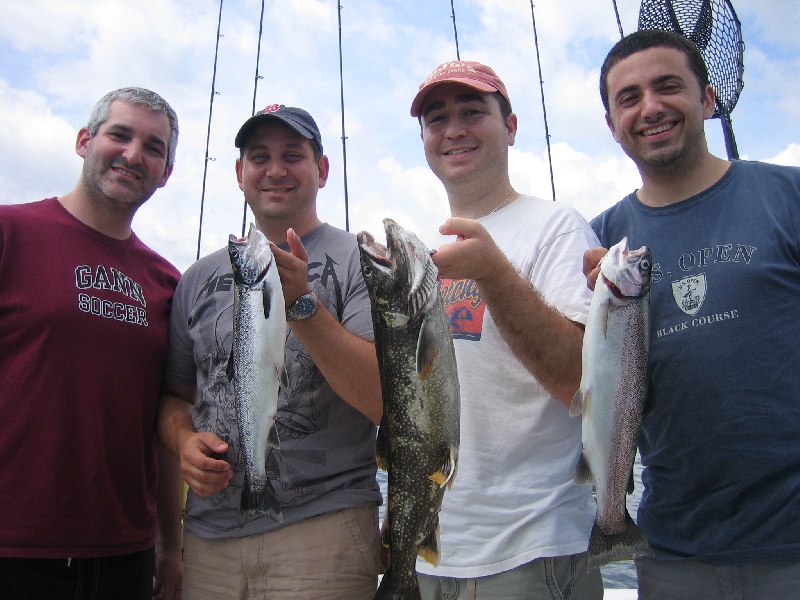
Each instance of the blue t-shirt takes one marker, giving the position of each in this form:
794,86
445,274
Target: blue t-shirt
721,448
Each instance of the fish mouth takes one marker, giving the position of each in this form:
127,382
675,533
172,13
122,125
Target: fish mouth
626,272
379,253
249,259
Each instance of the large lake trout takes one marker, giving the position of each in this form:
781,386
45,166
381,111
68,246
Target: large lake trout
256,365
612,396
419,434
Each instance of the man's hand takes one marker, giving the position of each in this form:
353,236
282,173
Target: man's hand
473,255
204,474
168,576
591,265
292,268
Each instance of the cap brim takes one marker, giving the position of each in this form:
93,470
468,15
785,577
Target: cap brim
419,99
254,121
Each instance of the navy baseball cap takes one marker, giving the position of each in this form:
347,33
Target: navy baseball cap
296,118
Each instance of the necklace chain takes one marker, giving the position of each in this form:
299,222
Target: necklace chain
503,203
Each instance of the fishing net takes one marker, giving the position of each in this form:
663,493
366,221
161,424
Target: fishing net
715,29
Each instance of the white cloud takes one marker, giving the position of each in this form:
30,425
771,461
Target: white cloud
789,157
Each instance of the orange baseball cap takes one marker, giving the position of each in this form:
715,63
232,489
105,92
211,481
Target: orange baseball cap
472,74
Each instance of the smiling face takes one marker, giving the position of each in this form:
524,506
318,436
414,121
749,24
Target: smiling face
465,135
126,160
657,110
280,177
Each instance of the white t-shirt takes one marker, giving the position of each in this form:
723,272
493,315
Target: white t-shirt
513,499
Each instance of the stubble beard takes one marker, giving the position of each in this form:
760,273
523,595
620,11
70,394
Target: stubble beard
112,197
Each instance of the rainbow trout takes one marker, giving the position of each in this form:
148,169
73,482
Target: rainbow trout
611,398
419,434
256,365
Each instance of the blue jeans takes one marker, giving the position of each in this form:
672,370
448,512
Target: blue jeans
125,577
693,580
557,578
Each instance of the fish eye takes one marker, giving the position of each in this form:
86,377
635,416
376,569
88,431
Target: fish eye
366,270
645,264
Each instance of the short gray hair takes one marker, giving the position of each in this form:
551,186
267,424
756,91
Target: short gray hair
141,96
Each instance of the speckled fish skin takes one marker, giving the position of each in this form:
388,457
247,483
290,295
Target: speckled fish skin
611,398
256,366
419,434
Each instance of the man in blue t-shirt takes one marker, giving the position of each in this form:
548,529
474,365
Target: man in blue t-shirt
721,503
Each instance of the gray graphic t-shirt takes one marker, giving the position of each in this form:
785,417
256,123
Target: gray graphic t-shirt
326,459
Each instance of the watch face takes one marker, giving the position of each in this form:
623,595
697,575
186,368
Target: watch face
303,308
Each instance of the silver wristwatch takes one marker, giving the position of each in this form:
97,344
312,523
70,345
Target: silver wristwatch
302,308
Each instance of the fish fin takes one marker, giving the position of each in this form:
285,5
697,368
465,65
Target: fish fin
283,377
622,546
266,299
427,348
229,366
382,446
264,503
386,538
576,406
429,549
272,437
444,476
583,472
630,482
603,313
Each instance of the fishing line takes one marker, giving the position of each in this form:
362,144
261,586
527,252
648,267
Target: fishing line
255,91
344,136
208,133
544,108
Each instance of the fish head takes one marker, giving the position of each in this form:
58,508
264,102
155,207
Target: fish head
400,276
251,256
627,271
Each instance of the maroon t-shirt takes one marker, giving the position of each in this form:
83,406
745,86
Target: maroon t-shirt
83,338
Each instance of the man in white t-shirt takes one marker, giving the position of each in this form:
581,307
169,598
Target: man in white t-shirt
514,525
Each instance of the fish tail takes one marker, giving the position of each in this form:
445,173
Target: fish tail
393,588
264,503
605,548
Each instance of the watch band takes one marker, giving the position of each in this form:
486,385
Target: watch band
302,308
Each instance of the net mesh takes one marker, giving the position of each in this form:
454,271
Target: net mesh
714,28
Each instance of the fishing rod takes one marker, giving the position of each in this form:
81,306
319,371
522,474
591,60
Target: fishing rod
544,108
619,23
208,133
255,91
344,136
455,28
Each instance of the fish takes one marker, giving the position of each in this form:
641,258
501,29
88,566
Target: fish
256,365
611,398
418,438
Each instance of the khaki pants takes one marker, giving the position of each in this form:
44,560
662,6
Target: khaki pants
557,578
329,557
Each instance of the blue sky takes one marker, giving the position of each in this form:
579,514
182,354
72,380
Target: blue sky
60,56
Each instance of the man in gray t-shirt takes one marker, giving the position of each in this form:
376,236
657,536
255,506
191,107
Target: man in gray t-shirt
323,474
